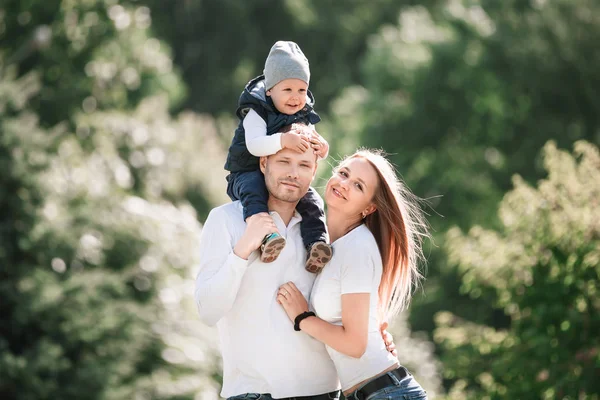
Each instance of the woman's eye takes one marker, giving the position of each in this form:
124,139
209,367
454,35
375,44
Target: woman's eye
342,173
359,186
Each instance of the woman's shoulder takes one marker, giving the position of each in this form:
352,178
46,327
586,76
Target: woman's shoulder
357,257
359,240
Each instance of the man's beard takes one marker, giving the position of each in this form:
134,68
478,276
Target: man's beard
278,192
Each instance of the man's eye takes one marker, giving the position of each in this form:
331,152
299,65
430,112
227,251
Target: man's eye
283,161
342,173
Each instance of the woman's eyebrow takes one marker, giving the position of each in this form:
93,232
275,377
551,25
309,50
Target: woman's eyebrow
357,178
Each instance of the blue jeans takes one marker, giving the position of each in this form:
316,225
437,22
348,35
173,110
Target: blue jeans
267,396
405,389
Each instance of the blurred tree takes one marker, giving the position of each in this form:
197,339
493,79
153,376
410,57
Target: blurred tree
97,236
417,353
221,44
463,95
543,266
90,55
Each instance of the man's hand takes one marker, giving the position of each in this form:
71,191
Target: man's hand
295,141
257,227
319,144
388,339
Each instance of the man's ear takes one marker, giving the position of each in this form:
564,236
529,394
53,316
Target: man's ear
268,92
263,164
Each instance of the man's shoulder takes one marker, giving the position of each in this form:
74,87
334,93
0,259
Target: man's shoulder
230,211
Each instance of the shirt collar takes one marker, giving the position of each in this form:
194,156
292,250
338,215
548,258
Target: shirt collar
296,218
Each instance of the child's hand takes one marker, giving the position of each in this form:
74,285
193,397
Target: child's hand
319,145
294,141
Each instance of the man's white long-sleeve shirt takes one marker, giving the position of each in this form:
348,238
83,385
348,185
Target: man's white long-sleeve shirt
261,351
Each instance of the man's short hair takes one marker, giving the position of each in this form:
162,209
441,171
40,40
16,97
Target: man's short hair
299,127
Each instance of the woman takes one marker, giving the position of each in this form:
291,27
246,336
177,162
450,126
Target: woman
375,229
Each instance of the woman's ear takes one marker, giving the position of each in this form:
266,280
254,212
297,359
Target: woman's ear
371,208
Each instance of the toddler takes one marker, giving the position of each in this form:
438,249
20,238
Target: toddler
270,102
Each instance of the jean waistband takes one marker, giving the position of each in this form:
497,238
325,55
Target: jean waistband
325,396
390,378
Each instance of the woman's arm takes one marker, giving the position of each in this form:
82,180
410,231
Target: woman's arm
350,338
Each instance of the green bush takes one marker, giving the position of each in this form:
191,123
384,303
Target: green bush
542,268
98,236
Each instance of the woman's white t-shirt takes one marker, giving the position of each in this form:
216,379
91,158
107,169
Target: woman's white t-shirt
356,267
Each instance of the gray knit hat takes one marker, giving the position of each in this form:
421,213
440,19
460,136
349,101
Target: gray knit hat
285,61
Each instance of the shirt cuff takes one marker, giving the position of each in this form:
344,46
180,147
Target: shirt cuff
277,138
237,262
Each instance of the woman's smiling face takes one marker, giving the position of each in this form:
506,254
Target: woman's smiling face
352,186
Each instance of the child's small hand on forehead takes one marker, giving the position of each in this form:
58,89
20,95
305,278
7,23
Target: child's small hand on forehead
295,141
319,144
299,137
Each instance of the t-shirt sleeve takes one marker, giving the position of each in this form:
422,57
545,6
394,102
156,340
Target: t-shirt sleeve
358,270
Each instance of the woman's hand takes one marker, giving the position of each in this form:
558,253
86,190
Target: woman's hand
388,339
292,300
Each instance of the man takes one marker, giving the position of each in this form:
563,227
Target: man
262,354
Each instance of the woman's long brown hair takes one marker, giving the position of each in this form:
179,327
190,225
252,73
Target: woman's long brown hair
398,226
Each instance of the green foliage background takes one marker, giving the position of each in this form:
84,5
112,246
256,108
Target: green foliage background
114,121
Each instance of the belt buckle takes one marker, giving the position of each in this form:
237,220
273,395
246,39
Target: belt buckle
401,372
330,396
359,395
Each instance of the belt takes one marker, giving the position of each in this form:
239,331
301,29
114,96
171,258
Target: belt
379,383
325,396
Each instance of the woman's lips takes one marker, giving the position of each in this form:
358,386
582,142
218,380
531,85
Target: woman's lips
337,193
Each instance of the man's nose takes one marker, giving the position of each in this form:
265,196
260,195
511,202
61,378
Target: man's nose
293,171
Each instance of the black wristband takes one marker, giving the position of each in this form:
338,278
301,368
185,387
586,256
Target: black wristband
300,317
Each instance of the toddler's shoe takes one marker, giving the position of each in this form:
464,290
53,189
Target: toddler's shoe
319,254
271,247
